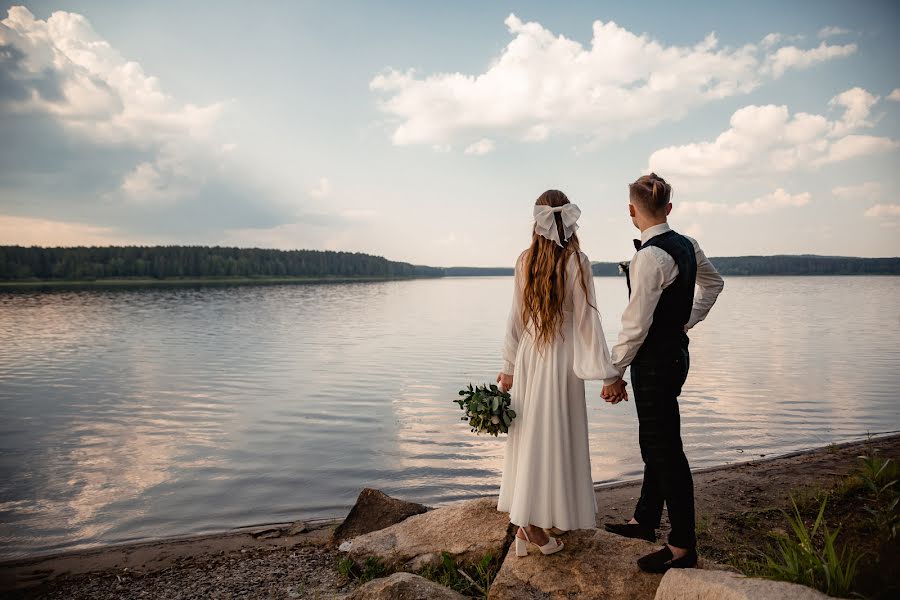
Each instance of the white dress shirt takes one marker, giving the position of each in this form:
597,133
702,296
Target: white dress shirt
652,270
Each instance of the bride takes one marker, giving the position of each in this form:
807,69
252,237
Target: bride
554,341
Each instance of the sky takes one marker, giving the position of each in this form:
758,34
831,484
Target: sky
424,131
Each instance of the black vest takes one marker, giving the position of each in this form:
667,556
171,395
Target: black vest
673,310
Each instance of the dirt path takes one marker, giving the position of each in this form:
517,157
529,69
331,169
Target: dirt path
274,563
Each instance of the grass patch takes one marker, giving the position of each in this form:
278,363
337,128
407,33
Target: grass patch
372,568
879,478
858,557
808,555
704,524
471,580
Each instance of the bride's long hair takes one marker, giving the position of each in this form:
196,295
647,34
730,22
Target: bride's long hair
544,291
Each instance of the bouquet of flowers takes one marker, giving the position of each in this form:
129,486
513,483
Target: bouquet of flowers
487,409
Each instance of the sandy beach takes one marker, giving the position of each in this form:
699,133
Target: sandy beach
296,561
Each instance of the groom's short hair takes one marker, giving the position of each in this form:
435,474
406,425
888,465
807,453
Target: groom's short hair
651,192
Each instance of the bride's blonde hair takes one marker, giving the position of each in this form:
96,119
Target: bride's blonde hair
544,291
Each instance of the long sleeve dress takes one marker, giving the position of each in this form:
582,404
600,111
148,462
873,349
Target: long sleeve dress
547,466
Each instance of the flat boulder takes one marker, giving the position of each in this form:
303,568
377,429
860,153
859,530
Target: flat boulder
374,510
594,565
404,586
695,584
466,530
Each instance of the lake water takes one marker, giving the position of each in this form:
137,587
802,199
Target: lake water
138,414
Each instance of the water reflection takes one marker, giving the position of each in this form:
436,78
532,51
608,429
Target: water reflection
131,414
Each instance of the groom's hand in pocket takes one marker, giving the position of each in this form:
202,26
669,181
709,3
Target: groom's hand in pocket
615,392
505,381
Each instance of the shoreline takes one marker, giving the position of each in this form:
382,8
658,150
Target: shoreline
320,522
51,284
187,281
742,481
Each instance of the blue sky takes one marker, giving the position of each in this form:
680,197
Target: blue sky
423,131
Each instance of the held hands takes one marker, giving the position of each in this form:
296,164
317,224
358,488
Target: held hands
505,381
615,392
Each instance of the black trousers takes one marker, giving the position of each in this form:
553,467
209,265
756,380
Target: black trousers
656,379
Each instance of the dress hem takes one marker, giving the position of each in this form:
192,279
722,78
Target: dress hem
550,526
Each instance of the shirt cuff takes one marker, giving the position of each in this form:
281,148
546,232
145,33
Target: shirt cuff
508,368
612,380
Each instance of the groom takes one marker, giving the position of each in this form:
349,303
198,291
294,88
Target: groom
662,307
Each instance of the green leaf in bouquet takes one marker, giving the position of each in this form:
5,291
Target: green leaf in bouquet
481,404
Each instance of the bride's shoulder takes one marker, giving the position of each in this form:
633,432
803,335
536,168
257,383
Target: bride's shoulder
579,257
522,256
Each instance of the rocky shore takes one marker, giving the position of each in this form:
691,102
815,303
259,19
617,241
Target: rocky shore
390,548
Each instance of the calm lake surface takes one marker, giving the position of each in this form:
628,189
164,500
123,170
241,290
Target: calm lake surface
137,414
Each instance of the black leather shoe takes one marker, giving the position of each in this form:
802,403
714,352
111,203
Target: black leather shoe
631,530
663,560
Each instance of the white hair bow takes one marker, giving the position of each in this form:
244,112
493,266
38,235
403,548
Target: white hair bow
545,223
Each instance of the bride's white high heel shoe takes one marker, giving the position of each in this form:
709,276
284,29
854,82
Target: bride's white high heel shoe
552,546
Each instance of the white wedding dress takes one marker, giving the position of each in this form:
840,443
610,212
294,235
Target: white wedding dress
547,468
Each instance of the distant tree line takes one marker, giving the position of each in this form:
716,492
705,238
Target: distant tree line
167,262
803,264
744,265
161,262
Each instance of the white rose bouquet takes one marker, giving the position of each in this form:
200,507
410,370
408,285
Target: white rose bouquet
487,409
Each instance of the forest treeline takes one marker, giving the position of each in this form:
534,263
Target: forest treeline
20,263
164,262
805,265
747,265
802,264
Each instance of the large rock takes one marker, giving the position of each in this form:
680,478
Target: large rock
594,565
404,586
467,530
694,584
374,510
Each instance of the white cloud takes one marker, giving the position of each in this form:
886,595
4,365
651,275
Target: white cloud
827,32
178,171
771,39
543,84
767,139
792,57
482,146
774,39
61,68
894,95
90,87
322,189
857,104
868,191
777,200
884,210
854,146
771,202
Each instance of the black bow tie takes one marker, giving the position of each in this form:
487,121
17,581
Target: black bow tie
637,244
